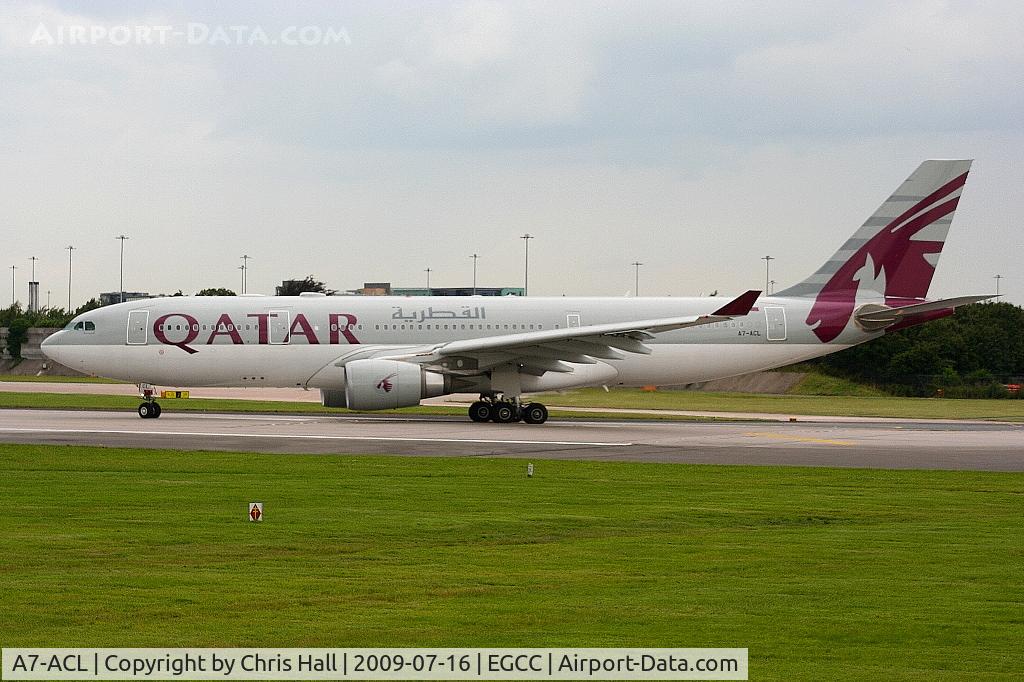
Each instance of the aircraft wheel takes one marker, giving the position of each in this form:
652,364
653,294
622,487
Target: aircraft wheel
535,413
156,410
504,413
146,410
481,411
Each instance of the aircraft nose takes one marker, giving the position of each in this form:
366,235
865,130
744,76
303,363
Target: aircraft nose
50,343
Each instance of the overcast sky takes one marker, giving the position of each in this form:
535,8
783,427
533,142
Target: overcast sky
693,137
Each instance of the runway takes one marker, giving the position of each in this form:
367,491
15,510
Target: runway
886,445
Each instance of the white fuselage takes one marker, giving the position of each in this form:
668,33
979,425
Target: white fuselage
305,341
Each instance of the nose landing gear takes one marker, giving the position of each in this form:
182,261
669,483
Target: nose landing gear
149,409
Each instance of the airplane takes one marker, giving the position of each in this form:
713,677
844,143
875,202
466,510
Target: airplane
375,353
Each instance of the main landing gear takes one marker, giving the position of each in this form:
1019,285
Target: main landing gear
506,411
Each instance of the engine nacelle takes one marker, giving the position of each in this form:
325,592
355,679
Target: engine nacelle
386,384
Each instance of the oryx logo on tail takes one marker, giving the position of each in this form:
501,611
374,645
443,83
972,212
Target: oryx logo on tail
893,255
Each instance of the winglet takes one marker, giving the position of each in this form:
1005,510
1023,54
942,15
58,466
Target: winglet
739,306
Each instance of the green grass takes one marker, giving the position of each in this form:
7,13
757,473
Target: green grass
859,406
123,402
823,574
822,384
75,401
53,379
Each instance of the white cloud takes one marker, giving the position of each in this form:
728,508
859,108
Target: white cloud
692,136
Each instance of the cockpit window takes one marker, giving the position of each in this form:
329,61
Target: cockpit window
78,327
85,325
90,326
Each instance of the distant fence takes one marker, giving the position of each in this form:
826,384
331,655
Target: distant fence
30,348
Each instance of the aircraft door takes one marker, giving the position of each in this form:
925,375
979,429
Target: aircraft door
280,323
572,320
138,327
776,317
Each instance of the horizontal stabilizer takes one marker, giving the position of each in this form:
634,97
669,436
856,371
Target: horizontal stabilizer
877,317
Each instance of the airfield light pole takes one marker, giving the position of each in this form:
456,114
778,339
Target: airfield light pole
428,271
122,238
636,278
771,289
14,287
47,299
997,278
526,274
474,257
36,301
70,250
245,268
767,261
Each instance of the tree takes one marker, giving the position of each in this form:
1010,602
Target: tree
294,287
91,304
216,291
979,343
17,334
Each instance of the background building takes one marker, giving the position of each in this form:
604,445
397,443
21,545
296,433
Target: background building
385,289
112,297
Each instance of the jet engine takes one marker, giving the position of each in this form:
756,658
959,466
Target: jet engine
385,384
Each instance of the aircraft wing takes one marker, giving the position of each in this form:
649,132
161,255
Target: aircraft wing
551,350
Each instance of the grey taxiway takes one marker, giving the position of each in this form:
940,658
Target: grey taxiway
890,444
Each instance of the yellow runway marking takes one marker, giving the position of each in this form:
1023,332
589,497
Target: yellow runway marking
799,439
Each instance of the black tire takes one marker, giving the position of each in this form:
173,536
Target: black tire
146,410
480,411
504,413
535,413
156,410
